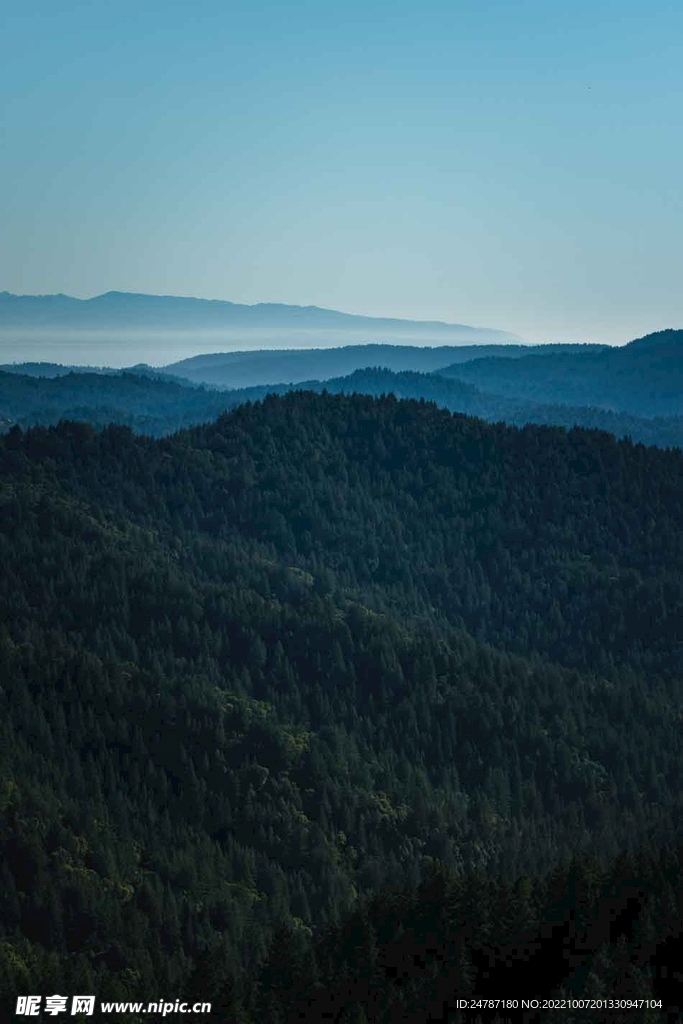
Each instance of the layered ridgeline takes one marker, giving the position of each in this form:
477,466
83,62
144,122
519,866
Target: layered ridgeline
153,403
249,369
255,672
644,378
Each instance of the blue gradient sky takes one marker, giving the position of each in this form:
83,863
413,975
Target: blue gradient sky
517,165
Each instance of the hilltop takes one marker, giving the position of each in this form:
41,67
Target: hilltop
644,378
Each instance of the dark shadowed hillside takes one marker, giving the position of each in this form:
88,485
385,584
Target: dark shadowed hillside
254,673
148,404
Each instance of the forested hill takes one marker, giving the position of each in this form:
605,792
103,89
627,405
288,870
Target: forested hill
157,404
147,404
644,378
254,672
451,498
461,396
296,366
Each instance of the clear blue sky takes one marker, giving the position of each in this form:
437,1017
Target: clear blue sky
512,164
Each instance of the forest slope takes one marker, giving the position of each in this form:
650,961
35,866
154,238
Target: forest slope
257,670
644,378
157,404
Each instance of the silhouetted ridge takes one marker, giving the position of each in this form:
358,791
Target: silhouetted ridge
668,338
125,309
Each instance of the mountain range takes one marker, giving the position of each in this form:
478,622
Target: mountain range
644,378
169,312
563,386
246,369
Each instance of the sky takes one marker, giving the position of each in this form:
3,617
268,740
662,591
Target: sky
513,164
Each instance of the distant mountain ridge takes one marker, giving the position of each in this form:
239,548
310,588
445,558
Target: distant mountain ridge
156,404
635,390
289,366
129,309
643,378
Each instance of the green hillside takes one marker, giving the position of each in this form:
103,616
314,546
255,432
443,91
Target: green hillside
255,673
643,378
